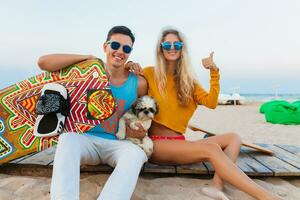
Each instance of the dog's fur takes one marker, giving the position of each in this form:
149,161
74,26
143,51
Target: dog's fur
142,111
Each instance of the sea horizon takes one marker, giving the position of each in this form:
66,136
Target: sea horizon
264,97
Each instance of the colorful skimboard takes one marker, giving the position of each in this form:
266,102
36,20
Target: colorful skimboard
91,103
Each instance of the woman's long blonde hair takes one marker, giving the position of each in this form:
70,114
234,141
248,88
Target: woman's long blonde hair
184,80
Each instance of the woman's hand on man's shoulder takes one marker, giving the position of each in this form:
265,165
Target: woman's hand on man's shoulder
134,67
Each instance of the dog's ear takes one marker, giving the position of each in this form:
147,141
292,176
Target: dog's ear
133,107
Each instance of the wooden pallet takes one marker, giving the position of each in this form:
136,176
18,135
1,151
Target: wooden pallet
285,162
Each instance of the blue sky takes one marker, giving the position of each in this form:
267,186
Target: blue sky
256,43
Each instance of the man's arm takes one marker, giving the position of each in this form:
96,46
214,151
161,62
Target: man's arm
54,62
142,86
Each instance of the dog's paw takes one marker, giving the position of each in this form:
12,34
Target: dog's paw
120,135
133,126
148,152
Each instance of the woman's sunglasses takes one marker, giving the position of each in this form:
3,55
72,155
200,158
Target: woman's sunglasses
116,45
168,45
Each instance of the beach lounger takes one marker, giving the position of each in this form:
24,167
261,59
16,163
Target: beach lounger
235,99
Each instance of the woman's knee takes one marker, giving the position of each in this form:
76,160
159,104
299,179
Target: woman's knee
235,138
213,150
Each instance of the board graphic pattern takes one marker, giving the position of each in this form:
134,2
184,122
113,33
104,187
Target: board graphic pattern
100,103
17,107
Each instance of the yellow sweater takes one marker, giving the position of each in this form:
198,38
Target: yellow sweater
171,114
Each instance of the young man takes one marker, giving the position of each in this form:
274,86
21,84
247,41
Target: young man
100,145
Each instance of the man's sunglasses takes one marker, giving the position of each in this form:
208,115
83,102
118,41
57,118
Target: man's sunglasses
116,45
168,45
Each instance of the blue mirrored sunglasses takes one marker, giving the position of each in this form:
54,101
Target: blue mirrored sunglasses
168,45
116,45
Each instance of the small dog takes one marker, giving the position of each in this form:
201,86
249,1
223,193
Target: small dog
142,111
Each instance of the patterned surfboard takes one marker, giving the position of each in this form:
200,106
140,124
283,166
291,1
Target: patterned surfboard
90,98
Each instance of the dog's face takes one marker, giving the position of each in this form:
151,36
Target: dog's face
145,107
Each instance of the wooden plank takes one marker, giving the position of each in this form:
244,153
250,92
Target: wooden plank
290,148
209,167
247,164
26,170
250,166
278,166
284,155
285,162
41,158
153,168
96,168
197,168
257,147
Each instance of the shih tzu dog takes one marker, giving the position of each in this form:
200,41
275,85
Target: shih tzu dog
142,111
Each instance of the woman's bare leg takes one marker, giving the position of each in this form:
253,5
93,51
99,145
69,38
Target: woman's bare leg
231,144
184,152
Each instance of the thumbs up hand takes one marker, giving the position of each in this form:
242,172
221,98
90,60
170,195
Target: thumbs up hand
208,62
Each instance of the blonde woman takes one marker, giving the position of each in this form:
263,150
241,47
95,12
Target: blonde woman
178,93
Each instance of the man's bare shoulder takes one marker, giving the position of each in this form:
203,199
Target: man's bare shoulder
142,81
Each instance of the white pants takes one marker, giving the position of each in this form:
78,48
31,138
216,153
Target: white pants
74,149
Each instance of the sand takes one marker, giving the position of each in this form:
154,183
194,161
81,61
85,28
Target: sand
244,120
247,122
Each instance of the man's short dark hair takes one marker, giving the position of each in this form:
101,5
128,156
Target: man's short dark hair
122,30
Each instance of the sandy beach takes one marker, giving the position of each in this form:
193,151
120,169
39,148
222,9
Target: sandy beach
243,119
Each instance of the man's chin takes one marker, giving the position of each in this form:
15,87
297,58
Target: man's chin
118,64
